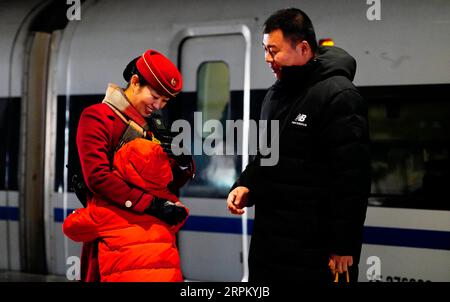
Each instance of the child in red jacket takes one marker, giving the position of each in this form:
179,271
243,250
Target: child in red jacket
135,247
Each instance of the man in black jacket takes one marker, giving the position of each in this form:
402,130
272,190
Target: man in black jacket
310,207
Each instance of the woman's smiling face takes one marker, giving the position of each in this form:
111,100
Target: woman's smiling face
145,99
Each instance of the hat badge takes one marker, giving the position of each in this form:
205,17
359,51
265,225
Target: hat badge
173,82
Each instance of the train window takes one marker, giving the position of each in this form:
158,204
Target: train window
216,172
213,91
410,152
66,131
9,148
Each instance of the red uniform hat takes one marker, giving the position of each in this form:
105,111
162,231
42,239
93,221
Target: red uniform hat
160,73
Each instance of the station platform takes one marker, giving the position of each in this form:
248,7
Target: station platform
14,276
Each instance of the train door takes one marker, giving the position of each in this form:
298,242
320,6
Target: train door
25,115
28,167
213,244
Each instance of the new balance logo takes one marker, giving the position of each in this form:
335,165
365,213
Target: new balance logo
300,119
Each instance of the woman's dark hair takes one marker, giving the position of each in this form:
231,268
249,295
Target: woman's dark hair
294,24
130,70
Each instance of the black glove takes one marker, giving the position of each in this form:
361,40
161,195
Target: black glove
166,211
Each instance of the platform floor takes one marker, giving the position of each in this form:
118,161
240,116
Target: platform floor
10,276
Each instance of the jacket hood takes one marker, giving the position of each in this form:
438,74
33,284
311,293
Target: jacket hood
335,61
331,61
144,164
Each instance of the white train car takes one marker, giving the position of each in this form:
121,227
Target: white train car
57,59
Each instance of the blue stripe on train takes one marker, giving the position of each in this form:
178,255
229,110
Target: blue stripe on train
9,213
227,225
438,240
230,225
58,214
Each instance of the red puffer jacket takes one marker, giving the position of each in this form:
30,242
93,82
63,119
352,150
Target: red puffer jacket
132,247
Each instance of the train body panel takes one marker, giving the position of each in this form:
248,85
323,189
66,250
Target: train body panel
220,42
410,245
403,55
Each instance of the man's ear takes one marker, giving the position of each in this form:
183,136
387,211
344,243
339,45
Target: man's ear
302,48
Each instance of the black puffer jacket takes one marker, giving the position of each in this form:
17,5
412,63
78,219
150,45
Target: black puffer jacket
313,202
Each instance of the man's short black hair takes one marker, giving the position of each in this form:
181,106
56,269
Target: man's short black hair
294,24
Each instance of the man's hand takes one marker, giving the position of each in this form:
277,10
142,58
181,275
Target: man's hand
237,200
340,264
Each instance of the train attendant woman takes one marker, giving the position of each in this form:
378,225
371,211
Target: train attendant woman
152,81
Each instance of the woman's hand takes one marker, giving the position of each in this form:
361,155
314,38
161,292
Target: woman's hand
167,211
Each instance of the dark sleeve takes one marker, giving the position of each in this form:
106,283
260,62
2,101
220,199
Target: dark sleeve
247,179
346,141
94,142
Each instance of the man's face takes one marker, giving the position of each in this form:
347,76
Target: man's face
279,52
